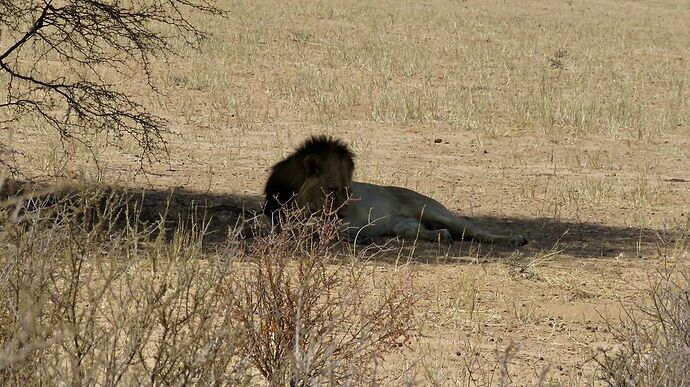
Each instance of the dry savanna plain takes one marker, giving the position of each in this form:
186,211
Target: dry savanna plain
566,121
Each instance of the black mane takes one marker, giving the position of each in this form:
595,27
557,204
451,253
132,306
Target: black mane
323,145
288,175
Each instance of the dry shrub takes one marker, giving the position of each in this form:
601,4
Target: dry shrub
312,316
89,296
84,304
653,339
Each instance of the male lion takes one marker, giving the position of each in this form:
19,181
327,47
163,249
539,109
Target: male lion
321,170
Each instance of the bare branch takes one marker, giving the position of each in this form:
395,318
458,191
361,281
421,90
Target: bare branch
84,37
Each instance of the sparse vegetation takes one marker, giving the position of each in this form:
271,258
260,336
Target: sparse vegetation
104,299
652,342
311,316
566,119
90,300
55,58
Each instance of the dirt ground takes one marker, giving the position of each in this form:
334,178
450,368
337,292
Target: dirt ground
541,309
567,123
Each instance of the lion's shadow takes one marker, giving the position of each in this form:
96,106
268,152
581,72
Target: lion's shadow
223,214
546,236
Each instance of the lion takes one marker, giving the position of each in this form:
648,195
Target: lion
319,173
321,168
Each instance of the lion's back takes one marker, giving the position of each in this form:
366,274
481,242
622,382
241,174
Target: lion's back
371,202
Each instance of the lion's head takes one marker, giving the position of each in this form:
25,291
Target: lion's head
319,170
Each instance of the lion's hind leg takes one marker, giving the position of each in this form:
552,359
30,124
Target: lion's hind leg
437,216
412,229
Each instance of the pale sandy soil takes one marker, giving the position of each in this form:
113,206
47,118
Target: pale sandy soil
604,202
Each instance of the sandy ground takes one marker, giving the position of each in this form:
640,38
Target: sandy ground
486,313
603,210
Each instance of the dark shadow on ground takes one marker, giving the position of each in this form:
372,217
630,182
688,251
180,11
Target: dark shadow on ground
226,213
220,214
545,235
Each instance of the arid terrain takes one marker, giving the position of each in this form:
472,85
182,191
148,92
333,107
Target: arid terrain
568,122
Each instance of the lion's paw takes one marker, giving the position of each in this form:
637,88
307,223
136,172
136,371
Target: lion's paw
444,236
518,240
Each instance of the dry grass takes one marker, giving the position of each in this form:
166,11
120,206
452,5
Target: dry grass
652,339
90,300
92,296
568,118
312,316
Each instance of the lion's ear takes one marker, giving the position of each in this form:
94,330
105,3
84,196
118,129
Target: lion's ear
313,164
